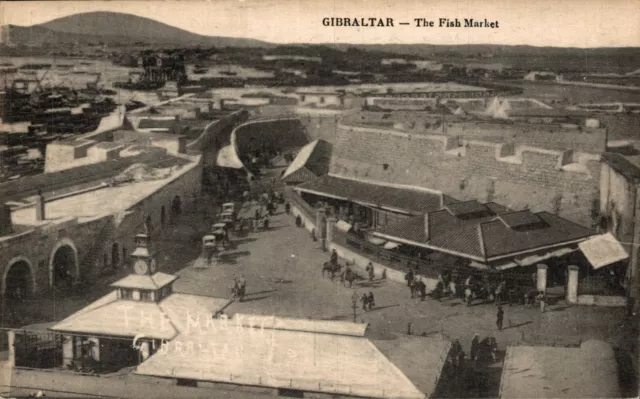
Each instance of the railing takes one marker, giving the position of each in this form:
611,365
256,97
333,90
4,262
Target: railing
392,259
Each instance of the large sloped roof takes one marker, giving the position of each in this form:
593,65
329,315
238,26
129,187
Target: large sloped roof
293,359
312,159
494,234
401,199
127,318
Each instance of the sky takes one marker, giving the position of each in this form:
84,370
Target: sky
558,23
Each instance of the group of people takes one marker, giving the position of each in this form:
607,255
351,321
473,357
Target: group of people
368,301
479,350
261,219
416,285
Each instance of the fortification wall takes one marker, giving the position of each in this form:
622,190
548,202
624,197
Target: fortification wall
520,177
552,136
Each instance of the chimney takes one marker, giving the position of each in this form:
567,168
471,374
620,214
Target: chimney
426,225
6,226
40,205
197,112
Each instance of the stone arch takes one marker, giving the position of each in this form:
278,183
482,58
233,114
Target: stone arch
32,274
62,244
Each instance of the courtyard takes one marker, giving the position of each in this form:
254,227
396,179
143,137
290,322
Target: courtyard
283,270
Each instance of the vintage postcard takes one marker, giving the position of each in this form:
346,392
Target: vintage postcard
320,199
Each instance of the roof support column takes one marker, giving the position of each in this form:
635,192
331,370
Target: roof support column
541,278
572,285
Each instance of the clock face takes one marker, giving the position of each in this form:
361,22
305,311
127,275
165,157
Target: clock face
152,266
141,267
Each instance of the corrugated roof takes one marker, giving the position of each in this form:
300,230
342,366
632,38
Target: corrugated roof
501,240
300,175
466,208
486,237
520,219
407,200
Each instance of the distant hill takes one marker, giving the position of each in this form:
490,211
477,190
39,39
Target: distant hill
113,27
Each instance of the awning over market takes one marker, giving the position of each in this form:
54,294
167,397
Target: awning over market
401,200
343,226
391,245
603,250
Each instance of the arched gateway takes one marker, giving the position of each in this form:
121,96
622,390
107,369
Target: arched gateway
63,263
19,279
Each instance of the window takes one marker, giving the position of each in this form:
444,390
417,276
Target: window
126,294
146,296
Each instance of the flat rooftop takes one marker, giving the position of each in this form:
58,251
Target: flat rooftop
552,372
103,201
286,356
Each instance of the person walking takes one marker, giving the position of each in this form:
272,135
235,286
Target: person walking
543,301
370,270
371,299
422,288
365,301
499,318
384,274
409,277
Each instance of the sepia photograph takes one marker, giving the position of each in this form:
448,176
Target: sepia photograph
388,199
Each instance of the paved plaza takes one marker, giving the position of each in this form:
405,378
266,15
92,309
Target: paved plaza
283,270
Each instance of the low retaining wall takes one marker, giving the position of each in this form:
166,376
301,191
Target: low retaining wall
308,223
601,300
361,262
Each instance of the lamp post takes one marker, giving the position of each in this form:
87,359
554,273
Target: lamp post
354,304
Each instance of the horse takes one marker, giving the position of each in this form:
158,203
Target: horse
349,276
331,268
475,291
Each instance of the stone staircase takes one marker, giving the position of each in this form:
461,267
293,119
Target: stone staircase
93,258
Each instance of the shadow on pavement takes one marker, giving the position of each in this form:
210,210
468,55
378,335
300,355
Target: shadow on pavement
255,298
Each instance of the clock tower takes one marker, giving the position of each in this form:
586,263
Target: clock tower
143,258
146,283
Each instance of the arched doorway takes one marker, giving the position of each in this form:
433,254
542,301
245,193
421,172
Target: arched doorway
19,280
63,267
115,255
176,206
163,217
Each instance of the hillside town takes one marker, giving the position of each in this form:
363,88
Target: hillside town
313,222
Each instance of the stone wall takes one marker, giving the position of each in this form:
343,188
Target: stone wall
92,240
550,136
516,176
